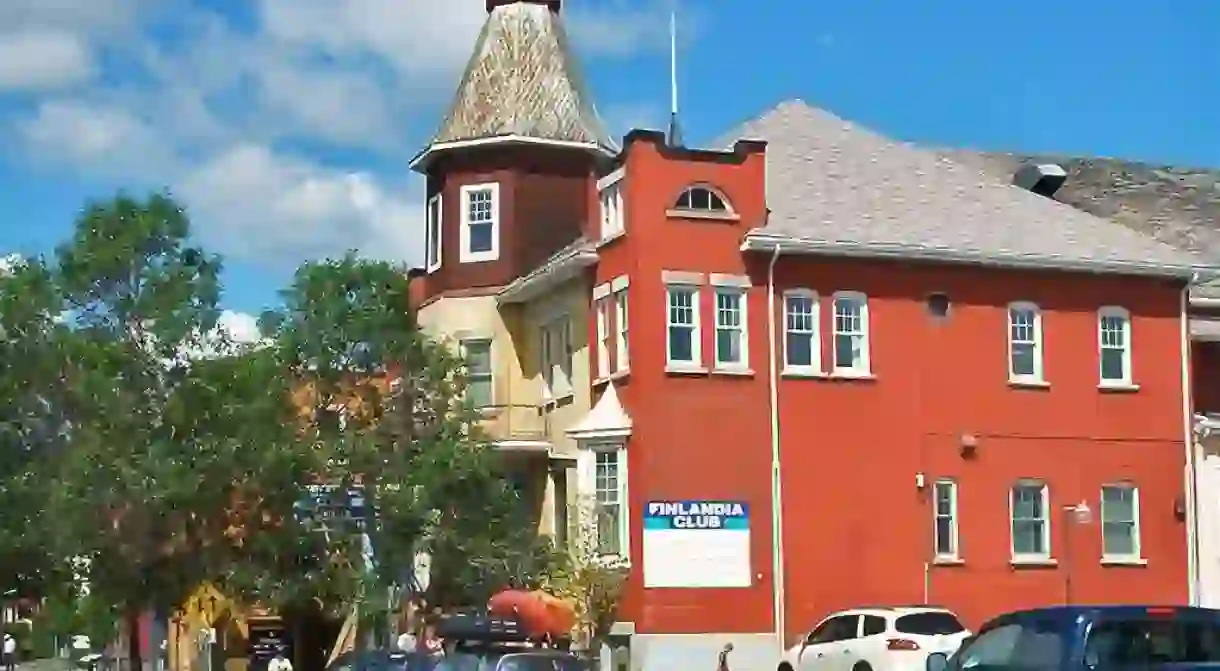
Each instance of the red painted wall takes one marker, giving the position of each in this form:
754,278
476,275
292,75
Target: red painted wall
857,529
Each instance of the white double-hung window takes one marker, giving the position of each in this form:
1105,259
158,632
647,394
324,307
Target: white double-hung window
1114,346
1031,526
610,501
802,346
610,196
682,326
1120,523
851,355
480,223
1024,343
944,518
622,359
603,307
432,255
732,332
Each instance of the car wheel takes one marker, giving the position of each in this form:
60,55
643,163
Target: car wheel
784,666
862,666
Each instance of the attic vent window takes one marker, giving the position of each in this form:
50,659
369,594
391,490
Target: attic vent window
938,305
702,202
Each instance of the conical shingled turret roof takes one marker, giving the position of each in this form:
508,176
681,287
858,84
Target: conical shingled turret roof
523,81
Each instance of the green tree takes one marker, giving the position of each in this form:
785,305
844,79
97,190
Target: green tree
392,422
32,426
177,434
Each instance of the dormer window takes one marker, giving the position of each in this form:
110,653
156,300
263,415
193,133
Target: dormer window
610,195
702,201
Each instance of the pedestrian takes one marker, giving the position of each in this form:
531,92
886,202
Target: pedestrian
10,652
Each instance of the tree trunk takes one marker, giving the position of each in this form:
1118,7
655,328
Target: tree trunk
134,653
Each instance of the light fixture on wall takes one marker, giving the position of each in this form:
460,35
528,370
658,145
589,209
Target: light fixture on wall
969,444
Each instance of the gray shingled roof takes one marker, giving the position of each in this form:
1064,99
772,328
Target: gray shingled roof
523,79
838,185
1178,206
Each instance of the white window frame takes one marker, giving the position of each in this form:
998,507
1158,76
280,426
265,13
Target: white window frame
863,367
622,359
742,294
696,361
434,233
466,255
1136,546
708,211
603,306
937,551
1038,376
1047,518
815,334
619,450
613,219
555,354
491,364
1114,311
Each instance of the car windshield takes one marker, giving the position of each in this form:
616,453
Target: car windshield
929,623
1148,641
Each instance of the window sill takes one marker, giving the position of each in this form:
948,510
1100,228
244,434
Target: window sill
705,216
610,238
1034,562
612,377
851,375
479,258
684,369
810,373
1117,387
1028,384
948,561
1124,561
733,372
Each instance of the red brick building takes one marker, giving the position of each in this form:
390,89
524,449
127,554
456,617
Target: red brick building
827,369
959,364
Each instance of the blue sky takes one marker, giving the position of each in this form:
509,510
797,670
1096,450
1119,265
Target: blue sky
286,125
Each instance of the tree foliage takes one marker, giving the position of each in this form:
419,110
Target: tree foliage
168,456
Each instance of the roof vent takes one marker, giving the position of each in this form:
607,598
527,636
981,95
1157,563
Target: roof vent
552,4
1043,179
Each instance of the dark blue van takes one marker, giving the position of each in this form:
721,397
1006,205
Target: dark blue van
1090,638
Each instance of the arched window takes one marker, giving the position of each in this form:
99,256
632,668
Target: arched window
702,199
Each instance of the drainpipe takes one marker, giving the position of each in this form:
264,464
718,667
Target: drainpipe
777,509
1192,468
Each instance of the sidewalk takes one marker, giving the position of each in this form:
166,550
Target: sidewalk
45,665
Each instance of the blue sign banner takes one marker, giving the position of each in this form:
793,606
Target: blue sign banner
697,516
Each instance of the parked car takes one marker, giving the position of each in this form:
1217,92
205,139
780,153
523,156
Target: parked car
510,659
383,660
1096,638
877,639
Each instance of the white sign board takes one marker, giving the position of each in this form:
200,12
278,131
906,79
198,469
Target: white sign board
697,544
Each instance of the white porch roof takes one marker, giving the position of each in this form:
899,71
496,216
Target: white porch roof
607,419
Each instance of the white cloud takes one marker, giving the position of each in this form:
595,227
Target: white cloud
239,326
299,209
43,59
286,133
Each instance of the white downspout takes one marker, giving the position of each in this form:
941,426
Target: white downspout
777,507
1192,468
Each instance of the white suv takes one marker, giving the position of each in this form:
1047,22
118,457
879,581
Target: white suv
877,639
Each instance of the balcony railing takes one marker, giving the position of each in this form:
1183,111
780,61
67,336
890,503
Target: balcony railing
516,422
